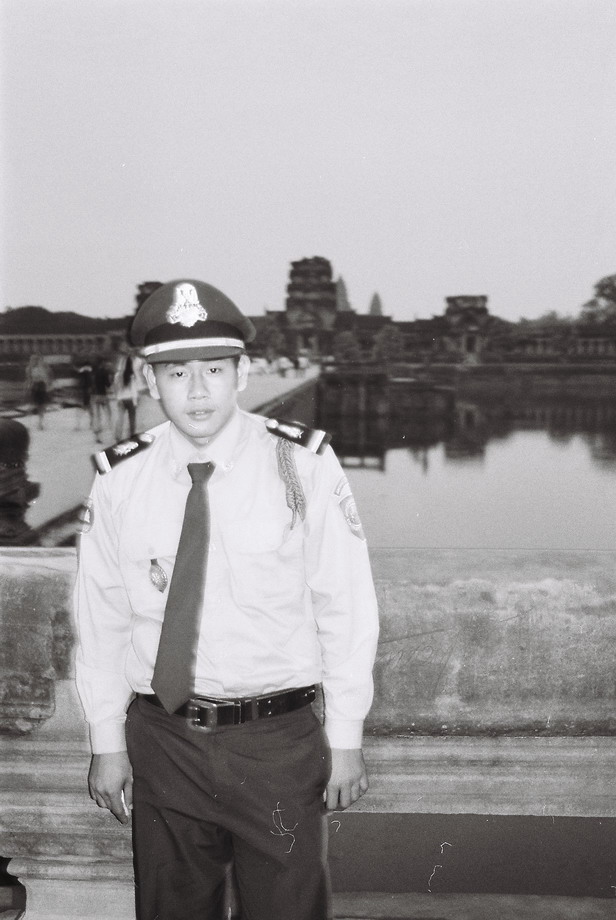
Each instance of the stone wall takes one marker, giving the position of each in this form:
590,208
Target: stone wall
494,694
478,642
473,642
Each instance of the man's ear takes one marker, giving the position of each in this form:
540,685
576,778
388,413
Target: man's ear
150,379
242,372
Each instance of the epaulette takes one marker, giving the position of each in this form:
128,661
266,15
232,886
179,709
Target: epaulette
106,459
312,438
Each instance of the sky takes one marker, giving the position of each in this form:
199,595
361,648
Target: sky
427,148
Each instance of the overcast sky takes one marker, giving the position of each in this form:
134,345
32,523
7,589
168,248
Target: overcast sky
426,148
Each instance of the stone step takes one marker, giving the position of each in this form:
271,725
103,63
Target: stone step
412,906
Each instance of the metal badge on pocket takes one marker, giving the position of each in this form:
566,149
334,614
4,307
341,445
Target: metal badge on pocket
158,576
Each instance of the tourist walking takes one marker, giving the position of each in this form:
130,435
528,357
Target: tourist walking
224,579
38,381
126,393
102,380
84,375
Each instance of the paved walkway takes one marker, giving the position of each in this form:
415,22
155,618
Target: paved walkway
60,454
382,906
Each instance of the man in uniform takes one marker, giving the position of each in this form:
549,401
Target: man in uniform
223,575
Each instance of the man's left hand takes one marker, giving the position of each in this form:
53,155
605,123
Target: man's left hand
348,780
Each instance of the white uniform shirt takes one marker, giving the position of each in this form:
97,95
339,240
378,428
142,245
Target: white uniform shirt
284,606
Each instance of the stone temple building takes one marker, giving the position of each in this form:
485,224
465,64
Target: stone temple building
316,314
313,318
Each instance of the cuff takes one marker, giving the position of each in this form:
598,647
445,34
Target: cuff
108,737
344,734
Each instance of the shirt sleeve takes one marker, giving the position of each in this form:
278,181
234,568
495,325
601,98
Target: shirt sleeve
344,602
104,624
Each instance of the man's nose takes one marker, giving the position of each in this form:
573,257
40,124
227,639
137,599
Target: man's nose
198,386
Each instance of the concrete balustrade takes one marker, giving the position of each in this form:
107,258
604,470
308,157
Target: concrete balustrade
495,695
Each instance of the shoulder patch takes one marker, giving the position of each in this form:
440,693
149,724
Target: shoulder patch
313,439
347,505
106,459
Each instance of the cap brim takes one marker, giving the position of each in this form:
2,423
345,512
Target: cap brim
198,353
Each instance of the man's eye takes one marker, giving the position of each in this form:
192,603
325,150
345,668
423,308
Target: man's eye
214,370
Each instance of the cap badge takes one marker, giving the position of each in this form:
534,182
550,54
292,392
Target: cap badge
186,309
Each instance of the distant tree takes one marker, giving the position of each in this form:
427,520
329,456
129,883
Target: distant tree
342,300
388,344
602,307
376,307
606,289
551,318
346,347
598,311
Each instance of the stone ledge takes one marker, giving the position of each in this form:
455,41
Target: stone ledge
86,868
499,776
382,906
73,891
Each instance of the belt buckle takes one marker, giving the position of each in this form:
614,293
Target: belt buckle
195,710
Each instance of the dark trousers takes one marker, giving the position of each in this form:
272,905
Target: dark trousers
251,794
125,406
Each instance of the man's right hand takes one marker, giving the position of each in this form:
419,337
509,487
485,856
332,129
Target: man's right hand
111,776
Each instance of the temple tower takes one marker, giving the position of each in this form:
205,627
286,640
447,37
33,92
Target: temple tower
311,305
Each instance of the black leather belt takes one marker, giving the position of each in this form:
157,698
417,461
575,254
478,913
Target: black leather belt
206,713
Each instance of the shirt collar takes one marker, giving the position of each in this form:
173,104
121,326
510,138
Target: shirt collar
220,451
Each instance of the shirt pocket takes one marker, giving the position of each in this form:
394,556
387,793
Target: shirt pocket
265,563
147,566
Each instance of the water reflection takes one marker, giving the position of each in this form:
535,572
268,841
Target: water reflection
363,440
540,473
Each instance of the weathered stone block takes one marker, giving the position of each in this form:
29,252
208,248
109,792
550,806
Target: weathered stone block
492,642
36,633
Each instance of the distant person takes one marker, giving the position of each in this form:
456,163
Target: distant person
138,366
102,381
16,492
126,392
38,380
85,377
284,364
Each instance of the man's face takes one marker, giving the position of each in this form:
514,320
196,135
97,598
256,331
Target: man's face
199,396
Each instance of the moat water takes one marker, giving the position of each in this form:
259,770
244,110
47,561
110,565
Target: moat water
538,474
527,490
508,468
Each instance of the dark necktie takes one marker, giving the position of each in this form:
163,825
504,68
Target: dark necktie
174,671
